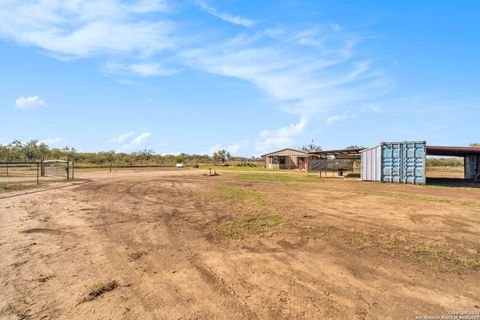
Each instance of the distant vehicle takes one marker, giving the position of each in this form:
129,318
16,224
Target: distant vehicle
180,165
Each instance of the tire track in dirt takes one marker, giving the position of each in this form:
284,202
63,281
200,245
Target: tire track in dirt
118,258
27,303
207,274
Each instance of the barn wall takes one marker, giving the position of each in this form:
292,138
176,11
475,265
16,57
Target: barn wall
472,167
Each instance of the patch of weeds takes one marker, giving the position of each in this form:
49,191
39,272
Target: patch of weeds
277,177
421,197
6,187
136,255
237,194
436,252
252,213
249,224
99,289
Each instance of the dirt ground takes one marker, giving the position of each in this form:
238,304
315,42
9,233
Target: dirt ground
183,245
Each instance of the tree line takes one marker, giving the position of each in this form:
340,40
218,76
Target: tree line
34,150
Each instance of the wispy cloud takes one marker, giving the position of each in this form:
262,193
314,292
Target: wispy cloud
140,69
225,16
130,141
319,70
283,137
151,69
52,141
122,137
338,117
30,102
234,149
136,143
302,70
306,71
75,29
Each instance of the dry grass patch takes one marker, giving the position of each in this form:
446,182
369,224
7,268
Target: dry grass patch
435,252
282,177
238,195
99,289
136,255
6,187
251,213
248,224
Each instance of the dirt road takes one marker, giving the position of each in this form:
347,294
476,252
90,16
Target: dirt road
153,245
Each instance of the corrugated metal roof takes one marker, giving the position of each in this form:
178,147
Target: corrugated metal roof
279,153
452,151
352,151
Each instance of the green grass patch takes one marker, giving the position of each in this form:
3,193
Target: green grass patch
277,177
435,252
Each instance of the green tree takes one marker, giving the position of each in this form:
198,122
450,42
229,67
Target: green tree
179,158
69,152
31,150
354,146
221,155
476,145
311,147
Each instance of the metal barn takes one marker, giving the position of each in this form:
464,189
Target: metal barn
471,157
395,162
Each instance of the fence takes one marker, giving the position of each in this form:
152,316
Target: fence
15,172
333,165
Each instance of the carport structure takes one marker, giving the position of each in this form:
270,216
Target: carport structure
352,153
470,154
334,160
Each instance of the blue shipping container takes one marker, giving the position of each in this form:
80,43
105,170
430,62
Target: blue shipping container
395,162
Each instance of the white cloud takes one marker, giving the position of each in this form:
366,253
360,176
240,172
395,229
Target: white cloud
139,69
225,16
122,138
306,72
30,102
233,148
130,141
148,70
214,148
372,108
338,117
136,143
309,71
74,29
141,138
52,141
283,137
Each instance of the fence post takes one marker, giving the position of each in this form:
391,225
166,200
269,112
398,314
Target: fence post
42,166
7,169
73,170
38,173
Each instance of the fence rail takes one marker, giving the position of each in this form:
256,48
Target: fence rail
21,172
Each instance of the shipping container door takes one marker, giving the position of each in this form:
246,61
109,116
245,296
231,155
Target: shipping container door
413,166
391,162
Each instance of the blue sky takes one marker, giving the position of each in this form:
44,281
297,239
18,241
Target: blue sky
250,76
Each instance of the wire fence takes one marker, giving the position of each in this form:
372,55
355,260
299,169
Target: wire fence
338,166
20,173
